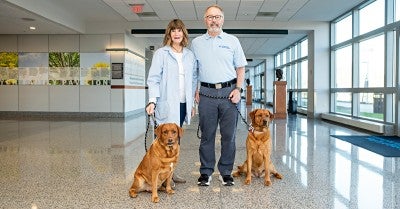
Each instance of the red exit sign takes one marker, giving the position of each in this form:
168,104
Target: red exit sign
137,8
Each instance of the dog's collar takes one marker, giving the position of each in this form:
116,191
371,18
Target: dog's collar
251,128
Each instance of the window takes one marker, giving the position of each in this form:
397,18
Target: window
372,16
295,70
343,67
304,74
304,48
372,62
342,103
363,69
397,10
343,29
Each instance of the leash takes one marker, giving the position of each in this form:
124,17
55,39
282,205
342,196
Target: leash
148,126
249,126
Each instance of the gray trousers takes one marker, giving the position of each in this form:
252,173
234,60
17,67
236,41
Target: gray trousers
214,112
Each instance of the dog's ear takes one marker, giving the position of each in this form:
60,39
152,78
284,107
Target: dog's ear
180,131
158,130
271,116
253,115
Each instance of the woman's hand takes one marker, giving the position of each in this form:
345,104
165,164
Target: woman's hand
193,111
197,97
150,108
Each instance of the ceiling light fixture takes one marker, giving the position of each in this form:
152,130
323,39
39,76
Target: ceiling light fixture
32,28
27,19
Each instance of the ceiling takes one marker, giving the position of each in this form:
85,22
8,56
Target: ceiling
116,16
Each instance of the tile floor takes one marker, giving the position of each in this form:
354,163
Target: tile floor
62,163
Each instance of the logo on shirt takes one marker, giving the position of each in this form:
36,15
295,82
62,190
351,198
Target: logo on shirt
225,47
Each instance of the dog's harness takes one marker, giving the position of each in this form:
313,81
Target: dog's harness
250,128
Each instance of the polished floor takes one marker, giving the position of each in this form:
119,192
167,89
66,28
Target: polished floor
88,163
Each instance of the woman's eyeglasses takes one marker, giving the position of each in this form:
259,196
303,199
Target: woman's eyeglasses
212,17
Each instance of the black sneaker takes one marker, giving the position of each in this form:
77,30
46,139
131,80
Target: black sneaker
227,180
204,180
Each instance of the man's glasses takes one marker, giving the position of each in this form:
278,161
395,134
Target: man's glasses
216,17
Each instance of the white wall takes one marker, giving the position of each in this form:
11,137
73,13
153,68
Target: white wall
79,98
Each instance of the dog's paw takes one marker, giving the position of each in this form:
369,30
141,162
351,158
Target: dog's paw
132,194
155,199
247,181
278,176
170,191
236,174
267,183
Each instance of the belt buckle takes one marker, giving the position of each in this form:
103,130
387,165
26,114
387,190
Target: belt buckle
218,85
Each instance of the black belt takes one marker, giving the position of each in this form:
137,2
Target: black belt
219,85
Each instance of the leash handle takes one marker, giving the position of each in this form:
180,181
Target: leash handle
152,117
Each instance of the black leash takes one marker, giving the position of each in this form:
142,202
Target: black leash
148,126
249,126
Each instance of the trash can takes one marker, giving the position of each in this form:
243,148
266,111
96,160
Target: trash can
292,104
378,103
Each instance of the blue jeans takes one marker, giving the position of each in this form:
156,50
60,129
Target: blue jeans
182,113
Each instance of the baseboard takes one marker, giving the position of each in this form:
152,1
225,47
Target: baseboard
376,127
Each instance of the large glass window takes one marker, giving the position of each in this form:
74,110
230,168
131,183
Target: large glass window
342,29
304,74
397,10
343,103
372,16
372,62
343,67
371,105
295,70
363,73
304,48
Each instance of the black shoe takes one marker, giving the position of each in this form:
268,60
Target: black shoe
204,180
227,180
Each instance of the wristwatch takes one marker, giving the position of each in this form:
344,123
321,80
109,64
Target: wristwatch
240,89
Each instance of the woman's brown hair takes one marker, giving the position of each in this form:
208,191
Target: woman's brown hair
176,24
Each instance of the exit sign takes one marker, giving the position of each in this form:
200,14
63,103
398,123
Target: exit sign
137,8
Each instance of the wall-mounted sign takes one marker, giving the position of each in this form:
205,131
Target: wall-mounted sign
117,70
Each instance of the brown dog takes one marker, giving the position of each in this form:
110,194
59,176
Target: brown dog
159,162
259,148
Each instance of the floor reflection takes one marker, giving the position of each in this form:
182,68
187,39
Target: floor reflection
60,163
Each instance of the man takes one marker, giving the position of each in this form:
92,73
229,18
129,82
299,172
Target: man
221,62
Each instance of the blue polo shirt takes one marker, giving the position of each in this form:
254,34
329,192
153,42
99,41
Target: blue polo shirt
218,57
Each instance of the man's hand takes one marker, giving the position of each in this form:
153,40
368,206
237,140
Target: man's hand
234,96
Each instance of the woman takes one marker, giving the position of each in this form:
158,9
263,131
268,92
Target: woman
172,79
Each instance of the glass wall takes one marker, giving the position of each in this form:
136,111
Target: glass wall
363,61
294,63
257,79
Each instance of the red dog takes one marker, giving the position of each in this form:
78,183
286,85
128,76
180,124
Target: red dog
159,162
259,148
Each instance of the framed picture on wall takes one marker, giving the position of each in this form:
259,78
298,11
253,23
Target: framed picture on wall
117,70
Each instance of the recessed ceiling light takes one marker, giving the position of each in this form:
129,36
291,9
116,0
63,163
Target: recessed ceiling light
32,28
267,14
28,19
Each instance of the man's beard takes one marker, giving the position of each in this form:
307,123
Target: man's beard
214,29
